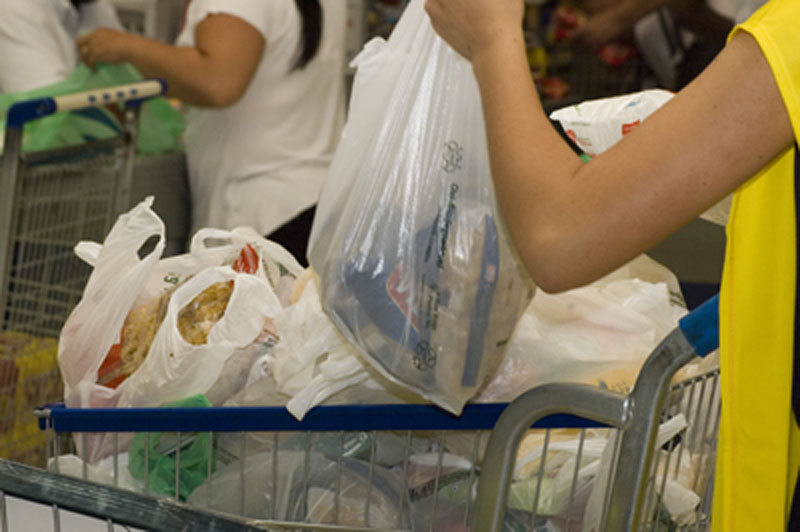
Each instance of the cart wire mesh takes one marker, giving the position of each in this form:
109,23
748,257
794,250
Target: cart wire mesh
49,201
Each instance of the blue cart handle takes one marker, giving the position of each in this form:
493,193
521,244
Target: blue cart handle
701,327
22,112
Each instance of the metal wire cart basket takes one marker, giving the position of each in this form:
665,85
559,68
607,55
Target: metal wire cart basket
49,200
594,460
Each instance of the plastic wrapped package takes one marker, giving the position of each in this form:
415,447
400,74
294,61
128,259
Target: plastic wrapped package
598,334
444,504
596,125
244,367
415,267
557,501
294,497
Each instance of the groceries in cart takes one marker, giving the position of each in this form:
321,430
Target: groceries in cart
180,336
28,377
414,295
415,267
149,331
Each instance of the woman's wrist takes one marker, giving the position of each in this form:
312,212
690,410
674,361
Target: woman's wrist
499,51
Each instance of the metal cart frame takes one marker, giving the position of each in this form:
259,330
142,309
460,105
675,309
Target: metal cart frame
636,415
27,220
49,200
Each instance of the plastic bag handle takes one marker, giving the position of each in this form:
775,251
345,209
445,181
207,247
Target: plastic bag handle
198,243
701,327
88,252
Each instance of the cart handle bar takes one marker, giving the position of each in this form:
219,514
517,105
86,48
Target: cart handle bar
701,327
22,112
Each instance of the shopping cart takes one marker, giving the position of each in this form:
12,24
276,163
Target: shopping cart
405,467
49,200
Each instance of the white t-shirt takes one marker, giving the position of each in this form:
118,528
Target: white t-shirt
262,160
37,39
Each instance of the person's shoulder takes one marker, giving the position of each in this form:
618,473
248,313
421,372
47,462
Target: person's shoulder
247,9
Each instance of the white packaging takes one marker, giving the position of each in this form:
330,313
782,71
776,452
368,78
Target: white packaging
596,125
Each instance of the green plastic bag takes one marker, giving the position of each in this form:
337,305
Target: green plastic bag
160,124
160,447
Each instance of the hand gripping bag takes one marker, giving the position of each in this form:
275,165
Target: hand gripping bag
414,265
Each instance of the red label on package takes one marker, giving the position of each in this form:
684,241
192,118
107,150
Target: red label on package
399,289
627,128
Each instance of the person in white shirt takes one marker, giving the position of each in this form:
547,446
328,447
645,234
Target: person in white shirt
265,83
37,39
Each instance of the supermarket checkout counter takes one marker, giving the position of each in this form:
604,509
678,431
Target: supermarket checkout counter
165,177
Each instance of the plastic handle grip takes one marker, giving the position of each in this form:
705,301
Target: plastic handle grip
21,113
121,93
701,327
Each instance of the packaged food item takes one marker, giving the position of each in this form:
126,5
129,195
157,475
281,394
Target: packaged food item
440,320
596,125
195,321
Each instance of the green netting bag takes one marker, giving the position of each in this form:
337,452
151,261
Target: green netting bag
160,450
160,124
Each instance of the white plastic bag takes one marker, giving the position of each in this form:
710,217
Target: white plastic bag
415,267
173,368
596,125
598,334
312,360
113,287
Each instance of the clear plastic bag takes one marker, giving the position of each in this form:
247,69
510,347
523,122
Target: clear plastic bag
415,266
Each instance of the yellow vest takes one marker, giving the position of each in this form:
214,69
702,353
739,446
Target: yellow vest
759,441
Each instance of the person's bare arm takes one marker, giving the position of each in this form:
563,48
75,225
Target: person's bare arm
574,222
214,73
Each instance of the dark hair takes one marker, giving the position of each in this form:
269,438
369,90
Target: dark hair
311,13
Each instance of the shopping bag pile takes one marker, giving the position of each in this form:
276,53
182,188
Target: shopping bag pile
173,322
